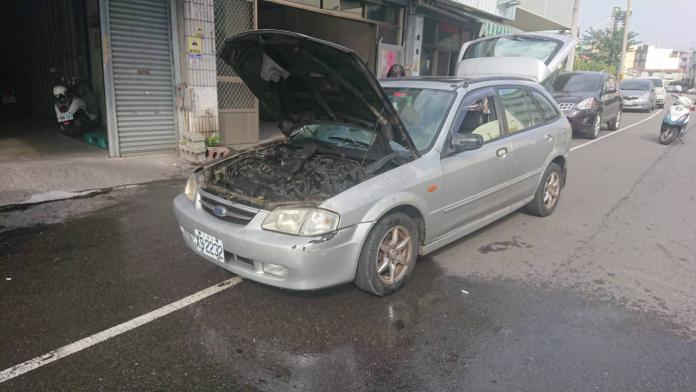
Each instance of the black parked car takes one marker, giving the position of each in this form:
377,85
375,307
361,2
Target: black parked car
588,99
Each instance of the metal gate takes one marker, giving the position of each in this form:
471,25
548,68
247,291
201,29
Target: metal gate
237,107
139,76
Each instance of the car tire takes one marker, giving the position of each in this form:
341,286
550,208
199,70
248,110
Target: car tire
593,133
387,260
548,192
614,124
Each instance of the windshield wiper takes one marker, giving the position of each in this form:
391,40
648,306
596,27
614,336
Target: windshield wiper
350,141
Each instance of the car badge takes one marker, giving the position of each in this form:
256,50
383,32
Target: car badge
220,211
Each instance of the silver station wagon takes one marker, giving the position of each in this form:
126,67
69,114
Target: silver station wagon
371,174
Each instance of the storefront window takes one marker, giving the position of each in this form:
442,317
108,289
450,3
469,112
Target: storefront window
429,31
388,34
441,44
447,35
383,13
426,62
350,6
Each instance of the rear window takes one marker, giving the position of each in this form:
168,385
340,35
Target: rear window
514,46
576,82
636,85
657,82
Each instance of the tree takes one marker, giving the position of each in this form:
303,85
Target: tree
583,63
604,46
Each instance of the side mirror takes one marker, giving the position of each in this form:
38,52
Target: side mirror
466,142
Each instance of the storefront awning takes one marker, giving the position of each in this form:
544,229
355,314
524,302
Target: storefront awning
490,28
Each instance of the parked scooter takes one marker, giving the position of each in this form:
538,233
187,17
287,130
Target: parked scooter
75,106
676,121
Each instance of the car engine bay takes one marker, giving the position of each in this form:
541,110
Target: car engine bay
286,172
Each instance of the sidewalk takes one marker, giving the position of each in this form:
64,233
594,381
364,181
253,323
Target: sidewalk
37,163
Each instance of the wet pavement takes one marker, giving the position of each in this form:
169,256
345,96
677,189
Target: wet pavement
595,297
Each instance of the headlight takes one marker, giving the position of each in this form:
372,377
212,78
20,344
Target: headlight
301,221
194,182
645,97
586,104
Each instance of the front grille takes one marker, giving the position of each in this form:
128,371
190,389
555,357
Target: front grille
630,98
227,210
566,106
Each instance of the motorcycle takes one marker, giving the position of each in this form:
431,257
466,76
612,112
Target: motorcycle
75,106
676,121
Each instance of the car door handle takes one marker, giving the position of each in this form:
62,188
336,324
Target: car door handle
548,137
502,153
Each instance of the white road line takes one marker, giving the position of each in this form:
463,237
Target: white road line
122,328
616,132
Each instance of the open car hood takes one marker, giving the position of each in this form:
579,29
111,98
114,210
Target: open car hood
484,58
302,80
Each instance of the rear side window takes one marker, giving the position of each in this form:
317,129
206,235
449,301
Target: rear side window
520,111
657,82
548,110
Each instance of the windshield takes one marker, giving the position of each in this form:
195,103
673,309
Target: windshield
657,82
636,85
422,111
514,46
576,82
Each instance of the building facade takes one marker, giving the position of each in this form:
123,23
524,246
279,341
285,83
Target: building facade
651,61
153,64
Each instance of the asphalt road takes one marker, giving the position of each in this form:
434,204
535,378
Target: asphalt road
599,296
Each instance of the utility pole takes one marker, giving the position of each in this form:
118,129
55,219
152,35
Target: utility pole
574,30
627,16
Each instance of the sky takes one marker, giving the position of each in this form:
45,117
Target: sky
664,23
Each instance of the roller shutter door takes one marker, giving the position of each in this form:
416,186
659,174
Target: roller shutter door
143,86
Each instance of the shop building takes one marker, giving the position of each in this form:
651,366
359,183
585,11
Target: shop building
153,64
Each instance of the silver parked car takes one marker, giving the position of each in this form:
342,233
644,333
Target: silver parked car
370,175
638,94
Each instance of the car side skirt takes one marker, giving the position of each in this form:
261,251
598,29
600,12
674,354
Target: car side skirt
471,227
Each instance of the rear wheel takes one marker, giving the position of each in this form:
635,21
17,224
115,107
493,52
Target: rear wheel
389,255
593,133
547,194
614,124
667,135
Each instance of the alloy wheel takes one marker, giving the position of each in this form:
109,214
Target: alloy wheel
394,254
552,189
597,127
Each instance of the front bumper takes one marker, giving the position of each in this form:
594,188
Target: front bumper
660,100
312,262
581,120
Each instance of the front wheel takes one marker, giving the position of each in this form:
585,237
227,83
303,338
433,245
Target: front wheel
667,135
548,192
593,133
389,255
614,124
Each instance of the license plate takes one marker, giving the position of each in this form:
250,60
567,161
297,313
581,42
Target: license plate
209,246
65,117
